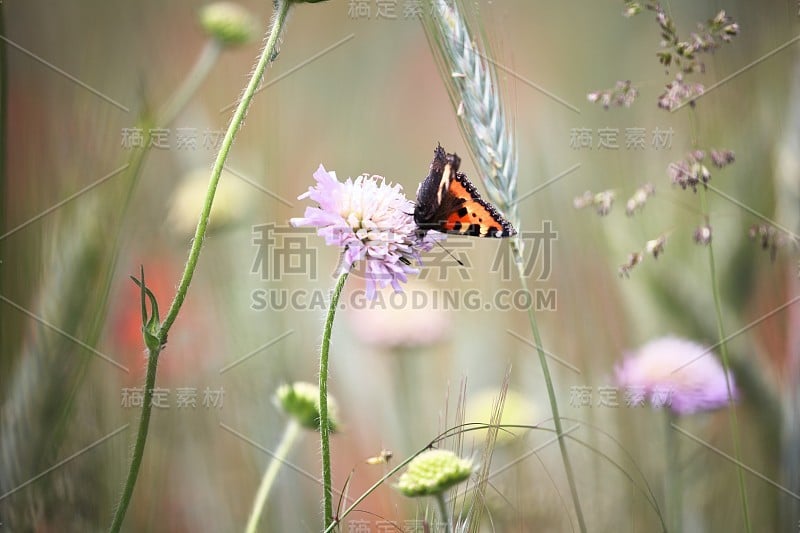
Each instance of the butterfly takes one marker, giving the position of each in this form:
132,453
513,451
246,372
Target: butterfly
448,202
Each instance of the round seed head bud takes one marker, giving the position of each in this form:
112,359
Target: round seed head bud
229,23
300,400
433,472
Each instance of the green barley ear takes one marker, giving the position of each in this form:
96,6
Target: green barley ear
300,400
229,23
432,472
471,81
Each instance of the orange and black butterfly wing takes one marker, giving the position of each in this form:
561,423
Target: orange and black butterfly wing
448,202
474,216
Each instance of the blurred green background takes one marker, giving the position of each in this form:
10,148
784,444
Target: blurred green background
363,94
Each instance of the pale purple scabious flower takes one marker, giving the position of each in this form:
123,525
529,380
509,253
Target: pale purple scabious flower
372,221
676,373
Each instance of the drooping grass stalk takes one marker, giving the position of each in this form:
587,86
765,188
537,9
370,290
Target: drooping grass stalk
375,486
290,435
267,54
463,428
324,417
471,81
723,351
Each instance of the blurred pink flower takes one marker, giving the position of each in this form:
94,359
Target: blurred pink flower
373,221
412,323
676,373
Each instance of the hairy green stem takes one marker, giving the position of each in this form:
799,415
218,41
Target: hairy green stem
551,393
290,434
324,418
723,350
138,448
448,525
267,54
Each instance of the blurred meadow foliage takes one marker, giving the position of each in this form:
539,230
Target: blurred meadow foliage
359,91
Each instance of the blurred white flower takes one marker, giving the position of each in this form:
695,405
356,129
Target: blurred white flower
517,410
231,202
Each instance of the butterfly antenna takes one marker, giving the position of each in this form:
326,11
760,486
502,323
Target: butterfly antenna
457,260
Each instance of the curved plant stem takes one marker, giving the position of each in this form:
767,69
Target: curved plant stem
723,350
551,393
281,11
324,418
141,438
448,526
287,441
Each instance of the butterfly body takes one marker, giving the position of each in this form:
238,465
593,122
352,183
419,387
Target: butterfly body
448,202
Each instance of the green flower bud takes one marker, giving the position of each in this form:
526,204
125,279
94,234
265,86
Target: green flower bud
300,400
228,23
433,472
